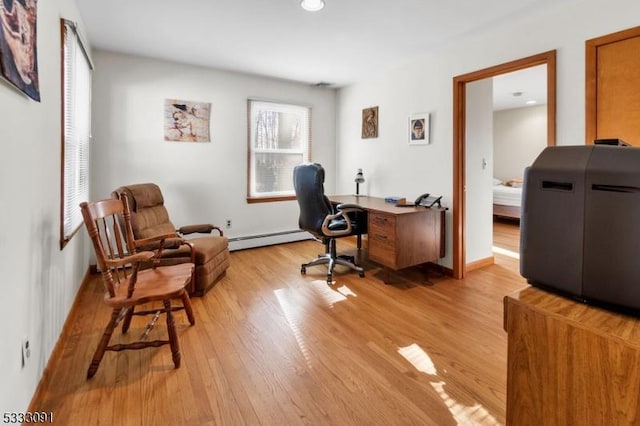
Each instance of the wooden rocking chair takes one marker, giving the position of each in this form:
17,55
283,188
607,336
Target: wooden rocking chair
127,287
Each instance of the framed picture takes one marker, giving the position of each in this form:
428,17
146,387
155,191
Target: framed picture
419,129
18,41
370,123
186,121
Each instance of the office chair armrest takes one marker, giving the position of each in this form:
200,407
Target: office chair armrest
132,259
204,228
343,211
332,233
348,208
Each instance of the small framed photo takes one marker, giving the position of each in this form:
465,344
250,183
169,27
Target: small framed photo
419,129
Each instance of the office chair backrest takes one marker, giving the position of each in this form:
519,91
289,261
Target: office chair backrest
308,181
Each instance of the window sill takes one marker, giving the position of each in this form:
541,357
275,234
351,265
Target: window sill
252,200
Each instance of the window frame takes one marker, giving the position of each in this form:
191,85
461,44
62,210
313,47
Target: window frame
252,104
75,140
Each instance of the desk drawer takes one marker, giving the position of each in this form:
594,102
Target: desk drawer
385,256
382,239
378,237
382,222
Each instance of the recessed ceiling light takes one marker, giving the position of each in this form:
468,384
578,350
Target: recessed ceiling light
312,5
531,102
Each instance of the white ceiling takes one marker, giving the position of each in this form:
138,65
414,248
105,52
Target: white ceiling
515,89
345,41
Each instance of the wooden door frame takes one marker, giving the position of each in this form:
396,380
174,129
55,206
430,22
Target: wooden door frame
459,142
591,77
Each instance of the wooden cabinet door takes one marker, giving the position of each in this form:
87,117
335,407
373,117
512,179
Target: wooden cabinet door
613,87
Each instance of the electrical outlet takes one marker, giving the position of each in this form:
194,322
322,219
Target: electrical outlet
228,223
26,351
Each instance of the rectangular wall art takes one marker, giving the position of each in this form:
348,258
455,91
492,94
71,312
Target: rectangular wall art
186,121
18,56
370,123
419,129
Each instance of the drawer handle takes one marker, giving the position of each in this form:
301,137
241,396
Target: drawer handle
382,219
381,237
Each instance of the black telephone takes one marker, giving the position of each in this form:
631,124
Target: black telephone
426,200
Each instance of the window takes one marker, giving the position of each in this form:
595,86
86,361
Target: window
76,134
279,139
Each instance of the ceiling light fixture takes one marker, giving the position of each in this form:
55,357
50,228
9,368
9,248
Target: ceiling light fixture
312,5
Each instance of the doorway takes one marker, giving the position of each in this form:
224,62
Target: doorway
459,138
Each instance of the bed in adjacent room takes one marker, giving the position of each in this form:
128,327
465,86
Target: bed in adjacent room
507,197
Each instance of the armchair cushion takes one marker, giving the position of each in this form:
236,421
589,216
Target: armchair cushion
149,218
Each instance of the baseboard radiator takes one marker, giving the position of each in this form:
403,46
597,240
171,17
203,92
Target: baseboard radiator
261,240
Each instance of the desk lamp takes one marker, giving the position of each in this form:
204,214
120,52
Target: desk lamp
359,179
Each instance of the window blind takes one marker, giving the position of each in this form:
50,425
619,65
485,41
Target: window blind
76,119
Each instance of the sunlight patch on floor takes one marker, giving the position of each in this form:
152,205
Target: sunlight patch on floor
505,252
346,291
328,294
418,358
289,310
474,414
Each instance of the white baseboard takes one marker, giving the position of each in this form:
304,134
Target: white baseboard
252,241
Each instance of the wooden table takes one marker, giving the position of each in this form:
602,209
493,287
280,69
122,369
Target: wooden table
570,363
399,237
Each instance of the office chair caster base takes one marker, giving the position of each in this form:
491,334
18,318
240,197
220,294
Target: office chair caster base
350,259
361,274
303,270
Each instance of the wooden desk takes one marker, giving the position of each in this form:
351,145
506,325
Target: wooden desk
400,237
570,363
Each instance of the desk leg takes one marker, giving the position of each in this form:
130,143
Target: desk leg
359,241
386,276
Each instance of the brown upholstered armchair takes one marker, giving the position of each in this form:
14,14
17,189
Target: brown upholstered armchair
151,224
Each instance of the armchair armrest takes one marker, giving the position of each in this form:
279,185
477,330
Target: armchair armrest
158,243
204,228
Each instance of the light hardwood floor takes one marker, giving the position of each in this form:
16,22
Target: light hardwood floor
506,243
274,347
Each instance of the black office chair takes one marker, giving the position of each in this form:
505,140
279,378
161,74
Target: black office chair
324,220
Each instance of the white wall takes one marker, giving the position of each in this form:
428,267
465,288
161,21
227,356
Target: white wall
519,136
392,167
201,182
39,281
478,169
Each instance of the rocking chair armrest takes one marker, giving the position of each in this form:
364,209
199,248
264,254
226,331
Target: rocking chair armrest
132,259
204,228
170,240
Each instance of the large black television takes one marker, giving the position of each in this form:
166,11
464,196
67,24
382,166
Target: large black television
580,224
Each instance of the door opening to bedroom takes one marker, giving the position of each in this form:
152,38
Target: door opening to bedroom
519,136
504,117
